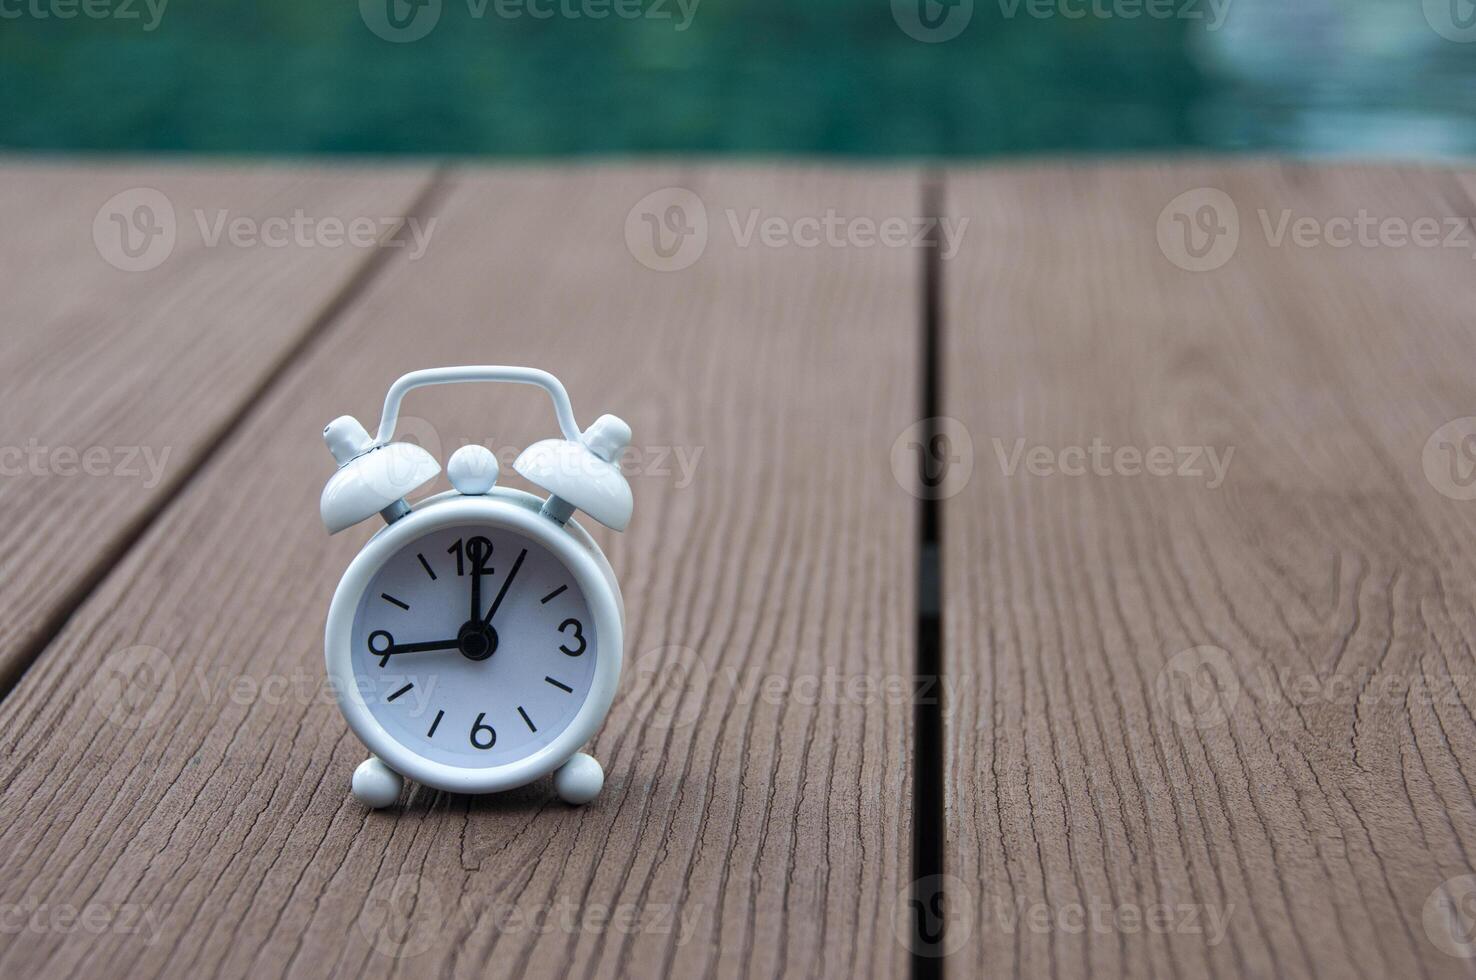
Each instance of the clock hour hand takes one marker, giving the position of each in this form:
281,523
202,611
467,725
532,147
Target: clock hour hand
476,585
478,552
512,574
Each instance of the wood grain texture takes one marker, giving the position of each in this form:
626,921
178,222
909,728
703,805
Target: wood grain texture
1308,778
116,381
173,753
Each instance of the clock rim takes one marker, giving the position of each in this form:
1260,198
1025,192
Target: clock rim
506,509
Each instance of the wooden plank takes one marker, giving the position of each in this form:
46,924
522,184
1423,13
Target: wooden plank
118,379
756,818
1299,787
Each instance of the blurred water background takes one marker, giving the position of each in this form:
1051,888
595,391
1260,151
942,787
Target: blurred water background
851,78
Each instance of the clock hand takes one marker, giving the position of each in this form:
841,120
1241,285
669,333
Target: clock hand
421,647
391,648
476,582
512,574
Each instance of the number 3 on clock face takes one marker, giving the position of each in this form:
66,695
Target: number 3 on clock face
473,646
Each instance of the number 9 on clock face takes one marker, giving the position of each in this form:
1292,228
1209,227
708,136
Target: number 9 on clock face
473,646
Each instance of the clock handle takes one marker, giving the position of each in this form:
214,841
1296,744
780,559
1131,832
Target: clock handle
476,372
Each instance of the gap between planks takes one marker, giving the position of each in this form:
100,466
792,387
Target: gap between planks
133,531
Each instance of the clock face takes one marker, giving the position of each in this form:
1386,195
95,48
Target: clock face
474,646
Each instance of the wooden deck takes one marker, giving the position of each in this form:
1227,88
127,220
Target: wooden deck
1199,548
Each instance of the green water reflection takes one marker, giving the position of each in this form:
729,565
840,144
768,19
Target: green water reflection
759,77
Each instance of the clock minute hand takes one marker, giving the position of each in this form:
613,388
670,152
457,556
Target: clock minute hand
421,647
512,574
391,647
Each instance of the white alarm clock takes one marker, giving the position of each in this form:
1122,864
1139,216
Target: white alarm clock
474,644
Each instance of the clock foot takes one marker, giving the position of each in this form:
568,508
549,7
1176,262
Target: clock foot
579,780
376,785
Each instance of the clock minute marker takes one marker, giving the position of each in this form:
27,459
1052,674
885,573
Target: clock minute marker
553,595
391,599
561,686
528,721
400,691
439,715
426,565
